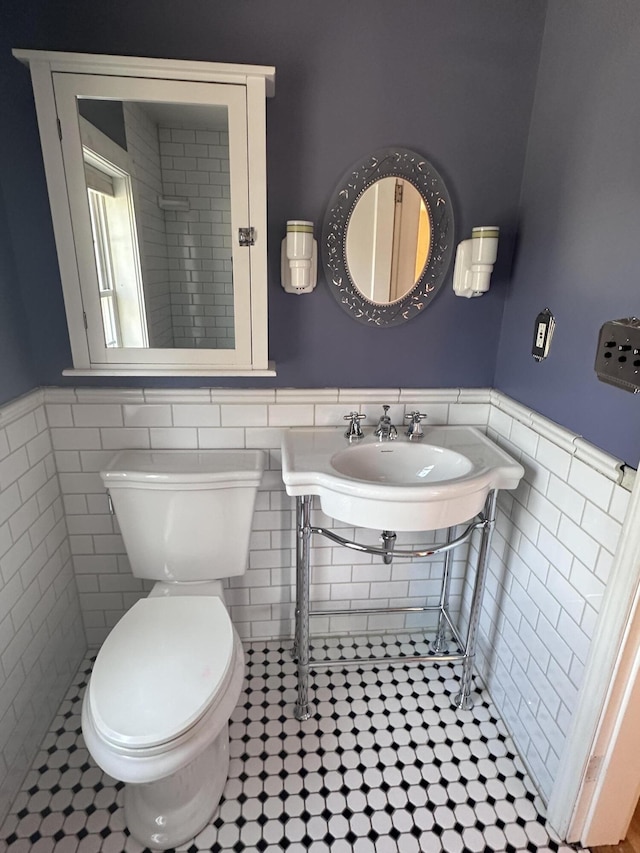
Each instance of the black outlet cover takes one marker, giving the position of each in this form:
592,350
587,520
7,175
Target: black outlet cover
618,354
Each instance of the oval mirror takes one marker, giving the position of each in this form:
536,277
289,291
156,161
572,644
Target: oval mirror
388,240
388,237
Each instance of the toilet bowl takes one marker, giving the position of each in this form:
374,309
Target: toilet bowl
156,711
165,682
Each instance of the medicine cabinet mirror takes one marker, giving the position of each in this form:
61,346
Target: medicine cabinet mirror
157,183
387,240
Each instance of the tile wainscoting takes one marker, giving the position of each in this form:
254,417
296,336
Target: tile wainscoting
41,634
553,550
88,426
548,572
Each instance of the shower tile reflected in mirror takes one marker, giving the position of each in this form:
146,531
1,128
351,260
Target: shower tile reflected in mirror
158,186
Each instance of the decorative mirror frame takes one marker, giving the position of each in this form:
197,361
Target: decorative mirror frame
410,166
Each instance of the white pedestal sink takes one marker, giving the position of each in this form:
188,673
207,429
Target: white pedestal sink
437,482
452,475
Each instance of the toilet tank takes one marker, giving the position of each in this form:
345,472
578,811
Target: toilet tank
185,515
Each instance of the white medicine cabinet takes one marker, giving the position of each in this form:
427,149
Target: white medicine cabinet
156,172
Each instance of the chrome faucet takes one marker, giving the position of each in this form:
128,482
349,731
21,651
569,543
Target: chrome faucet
414,427
385,430
354,430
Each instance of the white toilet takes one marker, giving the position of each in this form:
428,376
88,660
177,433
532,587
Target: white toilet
165,682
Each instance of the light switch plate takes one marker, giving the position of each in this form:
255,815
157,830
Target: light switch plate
543,334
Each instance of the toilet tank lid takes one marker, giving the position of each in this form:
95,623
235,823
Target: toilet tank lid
185,466
160,668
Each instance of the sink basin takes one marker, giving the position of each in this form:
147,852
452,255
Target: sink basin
400,463
397,485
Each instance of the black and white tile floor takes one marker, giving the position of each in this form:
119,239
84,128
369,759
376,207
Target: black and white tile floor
386,765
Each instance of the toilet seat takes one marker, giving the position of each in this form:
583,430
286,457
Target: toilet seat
160,669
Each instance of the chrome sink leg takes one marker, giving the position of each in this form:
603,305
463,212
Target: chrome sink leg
296,640
303,537
463,698
388,539
439,645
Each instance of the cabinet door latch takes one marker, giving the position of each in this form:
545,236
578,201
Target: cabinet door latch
247,236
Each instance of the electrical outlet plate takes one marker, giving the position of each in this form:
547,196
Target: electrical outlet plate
618,354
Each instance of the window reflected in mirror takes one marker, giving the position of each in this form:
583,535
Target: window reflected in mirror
158,190
388,240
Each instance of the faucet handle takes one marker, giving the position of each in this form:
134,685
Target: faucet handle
354,430
414,429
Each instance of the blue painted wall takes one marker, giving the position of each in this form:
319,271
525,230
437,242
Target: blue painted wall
579,246
452,79
17,375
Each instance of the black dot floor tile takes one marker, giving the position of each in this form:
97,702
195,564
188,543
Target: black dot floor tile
386,765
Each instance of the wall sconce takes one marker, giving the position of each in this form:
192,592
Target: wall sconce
299,258
474,261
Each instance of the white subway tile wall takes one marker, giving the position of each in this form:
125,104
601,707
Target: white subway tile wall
554,543
185,256
143,147
195,167
261,602
553,547
41,634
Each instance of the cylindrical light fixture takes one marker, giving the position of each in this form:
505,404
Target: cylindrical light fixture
299,257
474,261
